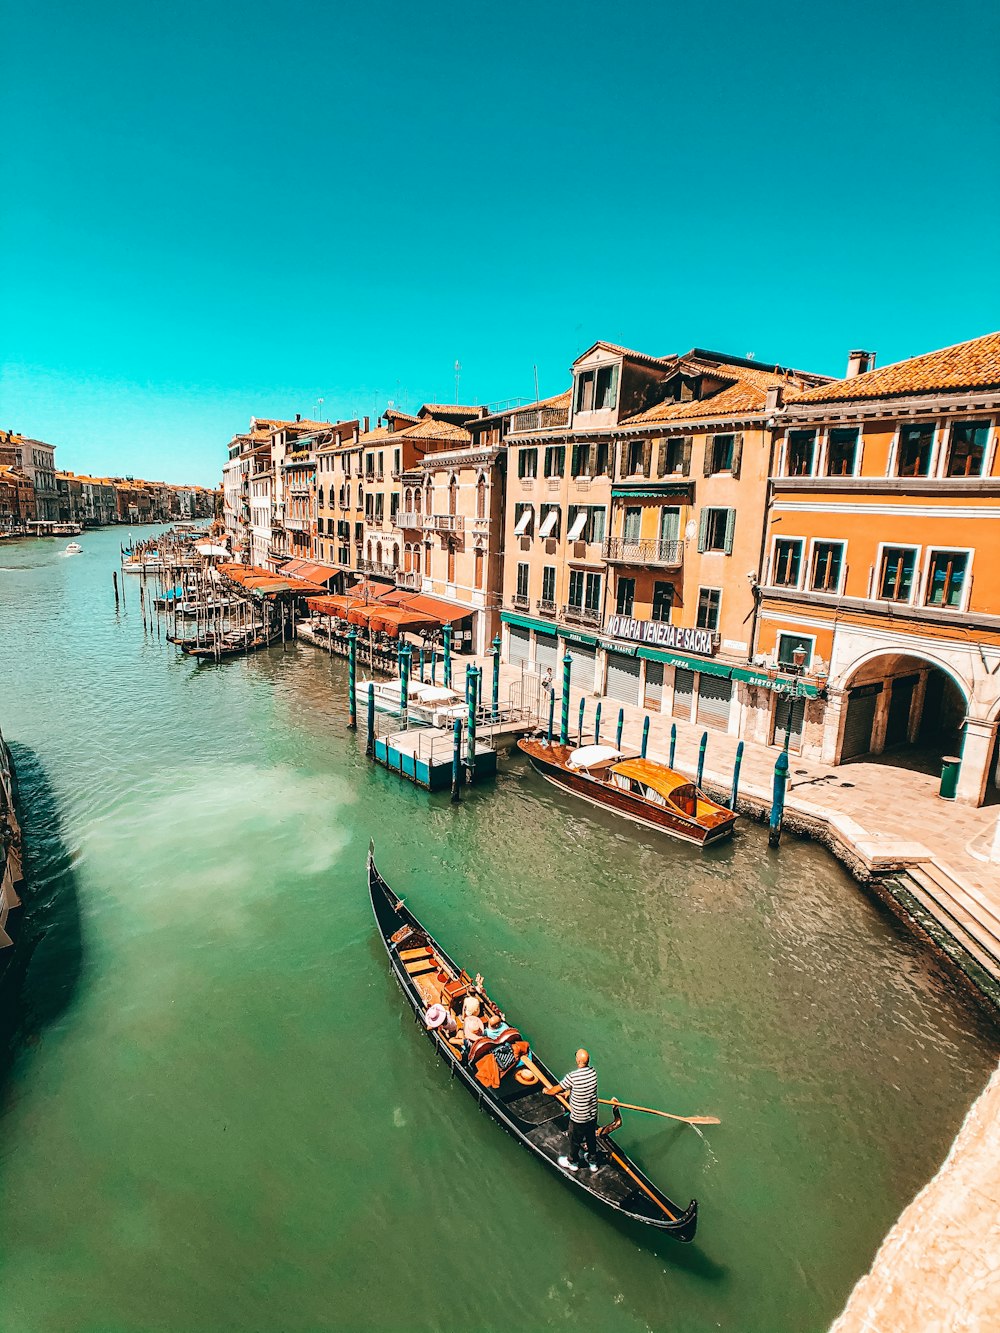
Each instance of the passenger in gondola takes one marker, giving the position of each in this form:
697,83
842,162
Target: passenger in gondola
472,1024
497,1026
440,1016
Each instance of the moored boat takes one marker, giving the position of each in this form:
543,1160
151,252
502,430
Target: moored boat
643,790
433,705
511,1088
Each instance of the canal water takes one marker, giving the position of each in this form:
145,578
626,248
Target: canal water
218,1116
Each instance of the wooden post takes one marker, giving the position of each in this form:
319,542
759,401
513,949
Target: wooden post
645,736
736,776
370,743
597,724
778,799
496,676
621,724
673,744
579,729
447,656
352,677
421,664
552,714
702,746
404,685
470,690
114,580
456,762
564,709
434,663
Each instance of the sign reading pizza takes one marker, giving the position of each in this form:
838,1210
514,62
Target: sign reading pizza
661,635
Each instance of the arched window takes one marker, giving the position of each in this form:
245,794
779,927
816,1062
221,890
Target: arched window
321,497
378,552
395,555
451,562
369,548
408,501
416,559
453,496
481,497
418,501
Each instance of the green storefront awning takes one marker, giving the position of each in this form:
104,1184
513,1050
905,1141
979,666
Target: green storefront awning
804,689
672,489
525,622
578,636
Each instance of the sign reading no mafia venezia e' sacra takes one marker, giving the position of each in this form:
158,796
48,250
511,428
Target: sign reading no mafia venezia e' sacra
701,641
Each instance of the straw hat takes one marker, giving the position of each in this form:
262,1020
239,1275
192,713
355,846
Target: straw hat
435,1016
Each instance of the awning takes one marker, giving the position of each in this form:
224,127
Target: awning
524,523
777,683
263,583
578,636
645,490
706,665
549,523
309,570
578,525
525,622
444,613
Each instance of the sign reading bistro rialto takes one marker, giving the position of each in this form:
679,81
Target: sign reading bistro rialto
662,635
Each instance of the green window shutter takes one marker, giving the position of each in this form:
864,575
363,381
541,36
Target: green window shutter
709,450
687,455
661,461
737,453
613,397
647,457
702,529
730,529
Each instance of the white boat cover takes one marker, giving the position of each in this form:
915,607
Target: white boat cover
588,755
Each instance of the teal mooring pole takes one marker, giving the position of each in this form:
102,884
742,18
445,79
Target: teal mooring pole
552,714
434,666
447,656
370,742
456,762
564,710
470,686
621,724
579,729
673,744
645,735
422,658
352,677
778,799
736,776
702,746
496,676
404,684
597,723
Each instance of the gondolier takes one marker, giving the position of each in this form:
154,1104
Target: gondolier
580,1085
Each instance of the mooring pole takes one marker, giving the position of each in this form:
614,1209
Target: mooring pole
597,723
370,742
564,709
456,762
702,746
421,664
673,744
579,728
447,656
645,736
114,580
621,724
496,676
778,799
552,714
352,677
405,653
736,776
470,686
434,666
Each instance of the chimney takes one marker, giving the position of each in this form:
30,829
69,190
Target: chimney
298,416
366,425
775,397
859,363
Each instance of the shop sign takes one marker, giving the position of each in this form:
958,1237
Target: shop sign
662,635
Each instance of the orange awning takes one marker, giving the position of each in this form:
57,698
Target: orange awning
309,570
442,613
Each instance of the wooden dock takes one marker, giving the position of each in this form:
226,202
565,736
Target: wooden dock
425,755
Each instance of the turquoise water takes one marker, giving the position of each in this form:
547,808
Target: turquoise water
219,1115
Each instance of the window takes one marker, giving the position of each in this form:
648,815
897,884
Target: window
370,466
522,579
581,460
946,578
827,563
577,523
670,524
379,507
393,507
527,463
479,568
381,464
632,525
576,584
359,533
549,584
916,444
602,460
523,515
896,574
675,456
549,525
555,460
716,530
967,453
626,597
592,594
597,390
481,498
633,458
789,645
787,562
586,523
801,450
722,453
842,452
663,600
451,563
709,601
395,461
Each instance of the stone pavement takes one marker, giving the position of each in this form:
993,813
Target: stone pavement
884,815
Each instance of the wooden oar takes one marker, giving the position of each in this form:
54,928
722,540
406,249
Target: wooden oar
687,1119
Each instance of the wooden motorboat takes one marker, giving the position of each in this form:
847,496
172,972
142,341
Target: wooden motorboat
538,1122
432,705
641,789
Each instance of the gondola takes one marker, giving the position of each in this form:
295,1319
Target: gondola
538,1122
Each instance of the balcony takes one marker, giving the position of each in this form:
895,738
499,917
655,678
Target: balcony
539,418
411,579
581,615
668,555
445,522
521,602
546,607
406,518
377,567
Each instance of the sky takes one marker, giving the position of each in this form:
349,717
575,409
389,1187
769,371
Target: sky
213,211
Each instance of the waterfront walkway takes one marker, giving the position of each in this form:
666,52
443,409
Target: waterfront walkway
881,812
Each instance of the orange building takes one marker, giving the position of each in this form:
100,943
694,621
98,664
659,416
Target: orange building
881,570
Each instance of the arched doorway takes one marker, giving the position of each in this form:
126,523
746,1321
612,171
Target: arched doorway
903,708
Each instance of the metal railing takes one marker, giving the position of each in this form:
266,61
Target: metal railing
377,567
617,550
546,607
539,418
581,615
520,602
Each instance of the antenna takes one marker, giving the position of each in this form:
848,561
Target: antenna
535,369
458,375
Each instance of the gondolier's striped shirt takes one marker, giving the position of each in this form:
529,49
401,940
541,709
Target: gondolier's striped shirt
582,1084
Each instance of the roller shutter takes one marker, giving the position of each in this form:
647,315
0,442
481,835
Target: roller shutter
584,667
654,686
788,716
861,705
546,652
518,643
623,678
683,693
715,694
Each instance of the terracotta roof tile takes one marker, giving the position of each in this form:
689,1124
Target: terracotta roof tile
970,365
746,393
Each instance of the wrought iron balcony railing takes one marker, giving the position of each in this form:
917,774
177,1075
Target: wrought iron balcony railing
546,607
581,615
619,551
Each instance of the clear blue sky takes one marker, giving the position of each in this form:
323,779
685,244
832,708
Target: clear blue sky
212,211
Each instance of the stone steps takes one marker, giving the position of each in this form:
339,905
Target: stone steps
968,918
